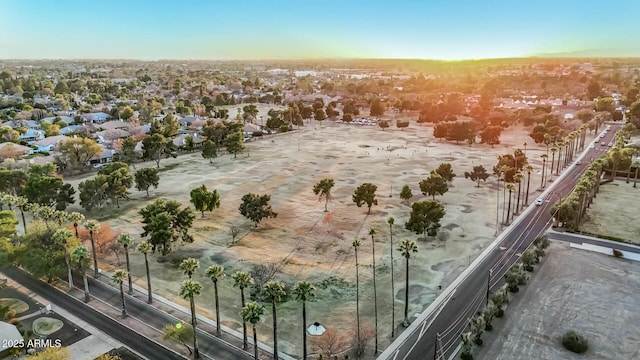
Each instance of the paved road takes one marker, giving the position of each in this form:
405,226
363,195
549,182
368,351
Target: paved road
583,239
141,344
208,344
470,296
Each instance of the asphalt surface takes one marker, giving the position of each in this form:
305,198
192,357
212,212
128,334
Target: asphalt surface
149,315
470,296
141,344
582,239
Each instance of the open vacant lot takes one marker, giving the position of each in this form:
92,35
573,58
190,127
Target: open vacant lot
303,242
593,294
613,212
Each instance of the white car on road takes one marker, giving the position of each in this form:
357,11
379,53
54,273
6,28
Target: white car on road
539,201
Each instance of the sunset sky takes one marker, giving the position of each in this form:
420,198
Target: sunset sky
281,29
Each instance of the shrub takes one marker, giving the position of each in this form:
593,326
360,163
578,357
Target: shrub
575,342
529,268
500,313
466,356
617,253
257,133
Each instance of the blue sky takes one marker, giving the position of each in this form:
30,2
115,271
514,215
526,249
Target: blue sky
281,29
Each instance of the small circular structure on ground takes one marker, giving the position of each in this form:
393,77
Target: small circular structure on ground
316,329
15,304
46,325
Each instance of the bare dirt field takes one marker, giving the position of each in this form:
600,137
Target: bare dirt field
593,294
612,212
304,246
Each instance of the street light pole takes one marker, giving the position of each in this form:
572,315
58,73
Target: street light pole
497,205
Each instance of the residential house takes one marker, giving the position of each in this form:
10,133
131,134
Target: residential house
187,121
32,135
181,140
105,157
96,118
249,129
29,124
67,119
48,144
14,151
113,135
113,125
73,129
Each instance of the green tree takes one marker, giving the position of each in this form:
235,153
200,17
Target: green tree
274,293
75,218
209,150
145,248
607,104
406,248
145,178
80,256
242,280
119,180
234,144
180,333
256,208
383,124
365,194
479,173
166,222
406,194
126,113
118,277
189,266
205,200
425,217
93,226
93,192
323,190
215,273
189,289
252,313
491,135
434,185
304,292
43,187
78,151
377,107
128,153
445,171
319,115
61,237
154,147
126,241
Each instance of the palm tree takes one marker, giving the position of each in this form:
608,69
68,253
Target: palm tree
79,255
241,280
60,217
372,233
356,244
510,187
544,166
145,248
189,266
45,213
93,226
21,203
252,313
76,218
61,237
214,273
560,147
529,169
304,291
189,289
274,292
518,177
525,148
118,278
390,221
406,248
553,158
126,240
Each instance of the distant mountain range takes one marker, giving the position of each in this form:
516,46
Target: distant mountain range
627,52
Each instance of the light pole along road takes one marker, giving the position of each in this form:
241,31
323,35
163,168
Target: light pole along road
435,334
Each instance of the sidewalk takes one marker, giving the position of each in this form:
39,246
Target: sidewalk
88,348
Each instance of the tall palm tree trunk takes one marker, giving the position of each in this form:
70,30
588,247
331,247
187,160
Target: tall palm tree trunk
146,266
393,292
244,323
509,206
406,294
255,343
24,222
375,296
275,331
194,323
357,303
304,330
75,227
124,306
215,290
86,284
126,255
68,262
515,210
95,256
526,198
553,159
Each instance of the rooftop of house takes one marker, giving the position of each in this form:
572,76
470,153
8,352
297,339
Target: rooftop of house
66,119
51,140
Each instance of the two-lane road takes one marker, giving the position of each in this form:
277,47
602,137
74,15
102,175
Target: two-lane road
470,295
